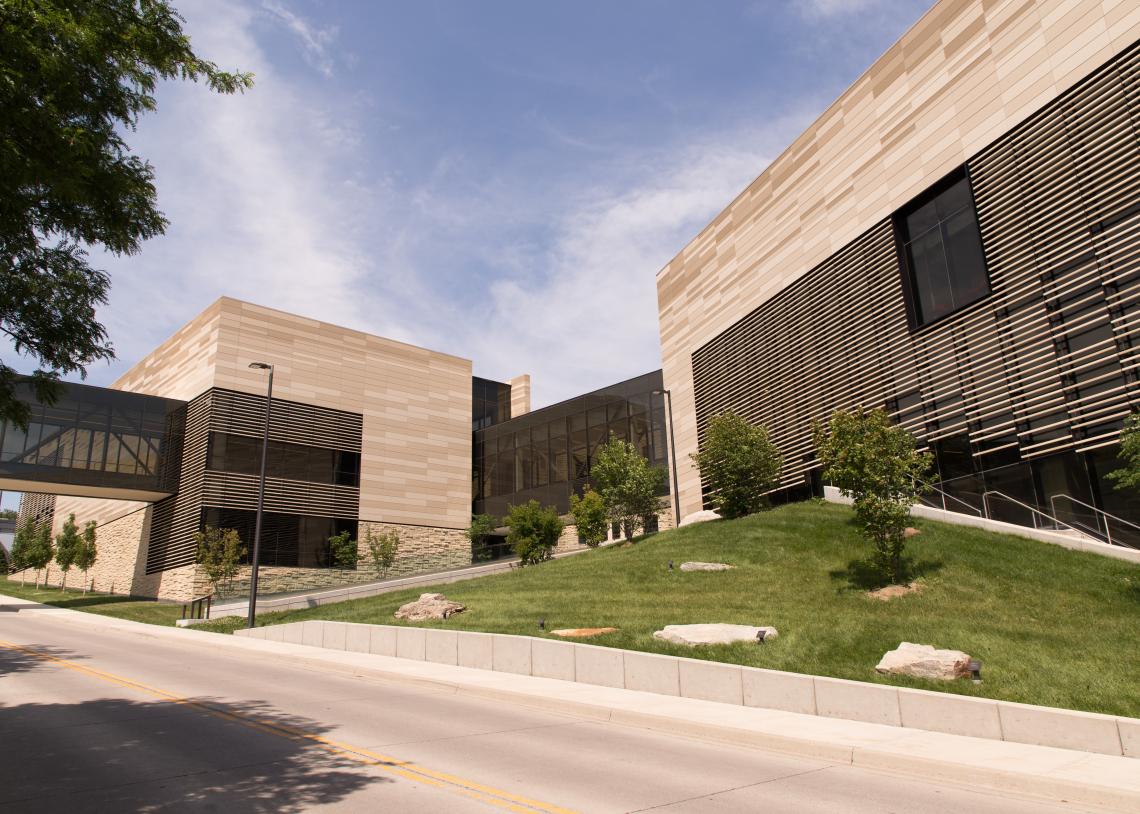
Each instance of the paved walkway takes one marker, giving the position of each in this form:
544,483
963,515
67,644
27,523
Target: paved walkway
110,698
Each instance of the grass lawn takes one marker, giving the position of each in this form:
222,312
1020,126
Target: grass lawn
1052,626
122,607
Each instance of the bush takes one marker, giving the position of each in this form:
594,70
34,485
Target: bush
478,533
739,464
382,549
1128,476
343,550
534,531
627,483
876,463
589,512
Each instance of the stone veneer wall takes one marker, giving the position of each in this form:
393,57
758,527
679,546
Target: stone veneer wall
569,539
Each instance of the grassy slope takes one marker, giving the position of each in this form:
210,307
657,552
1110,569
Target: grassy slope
121,607
1052,626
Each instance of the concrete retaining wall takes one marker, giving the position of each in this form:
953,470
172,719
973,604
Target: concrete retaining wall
1076,542
725,683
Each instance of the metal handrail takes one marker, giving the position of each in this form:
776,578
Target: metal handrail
196,606
945,495
1099,513
1035,511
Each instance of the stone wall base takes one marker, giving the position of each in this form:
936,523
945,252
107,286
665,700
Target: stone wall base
569,539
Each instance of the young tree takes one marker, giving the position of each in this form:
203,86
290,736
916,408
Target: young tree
738,463
479,532
76,79
382,549
628,484
86,553
1128,476
876,463
343,550
39,551
220,551
534,531
23,540
589,513
67,544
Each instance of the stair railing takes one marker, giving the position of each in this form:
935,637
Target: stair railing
1097,513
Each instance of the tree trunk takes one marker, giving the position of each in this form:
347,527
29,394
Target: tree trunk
63,581
84,580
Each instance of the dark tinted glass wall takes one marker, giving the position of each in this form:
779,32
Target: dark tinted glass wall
97,437
242,454
293,540
546,455
490,403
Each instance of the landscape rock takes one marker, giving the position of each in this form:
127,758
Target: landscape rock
582,632
910,531
894,591
924,661
706,566
713,634
699,517
429,606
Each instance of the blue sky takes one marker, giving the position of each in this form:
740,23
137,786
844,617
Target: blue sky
498,180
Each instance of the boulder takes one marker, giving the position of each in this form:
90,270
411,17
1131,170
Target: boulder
910,531
429,606
699,517
713,634
924,661
582,632
706,566
894,591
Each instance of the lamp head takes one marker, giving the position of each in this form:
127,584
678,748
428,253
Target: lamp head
260,366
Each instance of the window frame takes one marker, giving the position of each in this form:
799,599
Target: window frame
906,271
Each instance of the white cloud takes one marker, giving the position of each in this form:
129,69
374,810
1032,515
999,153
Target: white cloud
315,41
833,8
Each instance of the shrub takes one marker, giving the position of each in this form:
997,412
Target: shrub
876,463
534,531
1128,476
589,513
739,464
382,549
627,483
479,532
343,550
220,551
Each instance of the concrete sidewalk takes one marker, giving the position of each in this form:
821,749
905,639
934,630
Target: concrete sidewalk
1099,781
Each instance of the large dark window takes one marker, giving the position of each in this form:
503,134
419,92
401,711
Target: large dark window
294,540
942,250
242,454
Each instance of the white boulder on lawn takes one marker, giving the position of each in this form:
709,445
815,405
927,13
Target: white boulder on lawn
429,606
699,517
706,566
713,634
924,661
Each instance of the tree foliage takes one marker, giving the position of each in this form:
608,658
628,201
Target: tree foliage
220,551
739,463
590,517
534,531
628,484
382,549
876,463
67,543
1128,476
343,550
21,542
480,531
87,552
39,551
75,76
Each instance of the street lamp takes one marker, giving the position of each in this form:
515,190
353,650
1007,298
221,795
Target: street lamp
672,454
260,494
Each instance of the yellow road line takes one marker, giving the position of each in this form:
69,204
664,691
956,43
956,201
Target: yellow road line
486,794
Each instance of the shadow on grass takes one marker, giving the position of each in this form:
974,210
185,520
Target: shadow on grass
862,575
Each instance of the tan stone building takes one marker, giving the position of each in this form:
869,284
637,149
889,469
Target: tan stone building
956,239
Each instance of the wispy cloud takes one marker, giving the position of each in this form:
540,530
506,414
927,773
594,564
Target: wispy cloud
834,8
316,41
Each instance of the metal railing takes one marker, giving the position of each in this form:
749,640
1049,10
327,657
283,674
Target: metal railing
946,496
1033,510
1098,514
197,605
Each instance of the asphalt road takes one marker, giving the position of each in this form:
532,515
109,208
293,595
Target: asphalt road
95,720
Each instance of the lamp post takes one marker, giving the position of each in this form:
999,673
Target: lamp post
260,495
672,454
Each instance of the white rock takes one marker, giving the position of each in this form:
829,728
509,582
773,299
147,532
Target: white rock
699,517
429,606
713,634
706,566
924,661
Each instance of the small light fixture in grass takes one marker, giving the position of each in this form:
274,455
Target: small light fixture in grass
670,565
760,636
542,624
975,668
